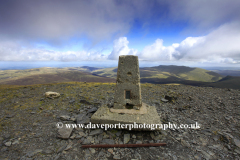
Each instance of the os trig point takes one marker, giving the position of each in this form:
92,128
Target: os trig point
128,91
128,107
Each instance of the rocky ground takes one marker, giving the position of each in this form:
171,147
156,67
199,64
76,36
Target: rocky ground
28,123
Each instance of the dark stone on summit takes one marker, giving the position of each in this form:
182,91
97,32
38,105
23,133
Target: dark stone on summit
224,139
108,141
97,104
62,148
110,105
10,116
207,132
85,102
86,141
82,119
72,101
96,132
168,98
189,121
92,110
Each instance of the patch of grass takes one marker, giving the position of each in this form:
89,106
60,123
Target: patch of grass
4,123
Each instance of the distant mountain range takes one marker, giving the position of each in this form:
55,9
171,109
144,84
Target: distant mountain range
49,75
228,72
170,73
157,75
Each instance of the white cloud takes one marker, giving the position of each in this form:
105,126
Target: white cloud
53,23
222,43
120,47
205,14
56,22
12,51
157,51
219,46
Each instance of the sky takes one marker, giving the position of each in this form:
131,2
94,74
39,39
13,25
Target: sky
159,32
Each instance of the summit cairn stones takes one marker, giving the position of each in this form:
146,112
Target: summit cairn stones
128,107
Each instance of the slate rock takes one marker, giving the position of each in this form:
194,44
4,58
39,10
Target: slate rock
198,157
189,121
126,138
101,153
237,151
92,110
78,137
97,104
169,98
91,139
62,148
92,150
87,154
237,142
108,141
73,136
110,150
164,100
7,136
164,133
8,144
96,132
65,118
152,135
185,143
64,132
85,102
158,137
217,147
116,157
69,146
33,153
105,135
72,101
82,119
15,142
10,115
207,155
86,141
4,149
49,150
110,134
100,137
118,133
151,141
82,134
215,137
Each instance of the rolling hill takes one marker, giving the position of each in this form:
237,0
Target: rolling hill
167,73
228,72
156,75
49,75
226,82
